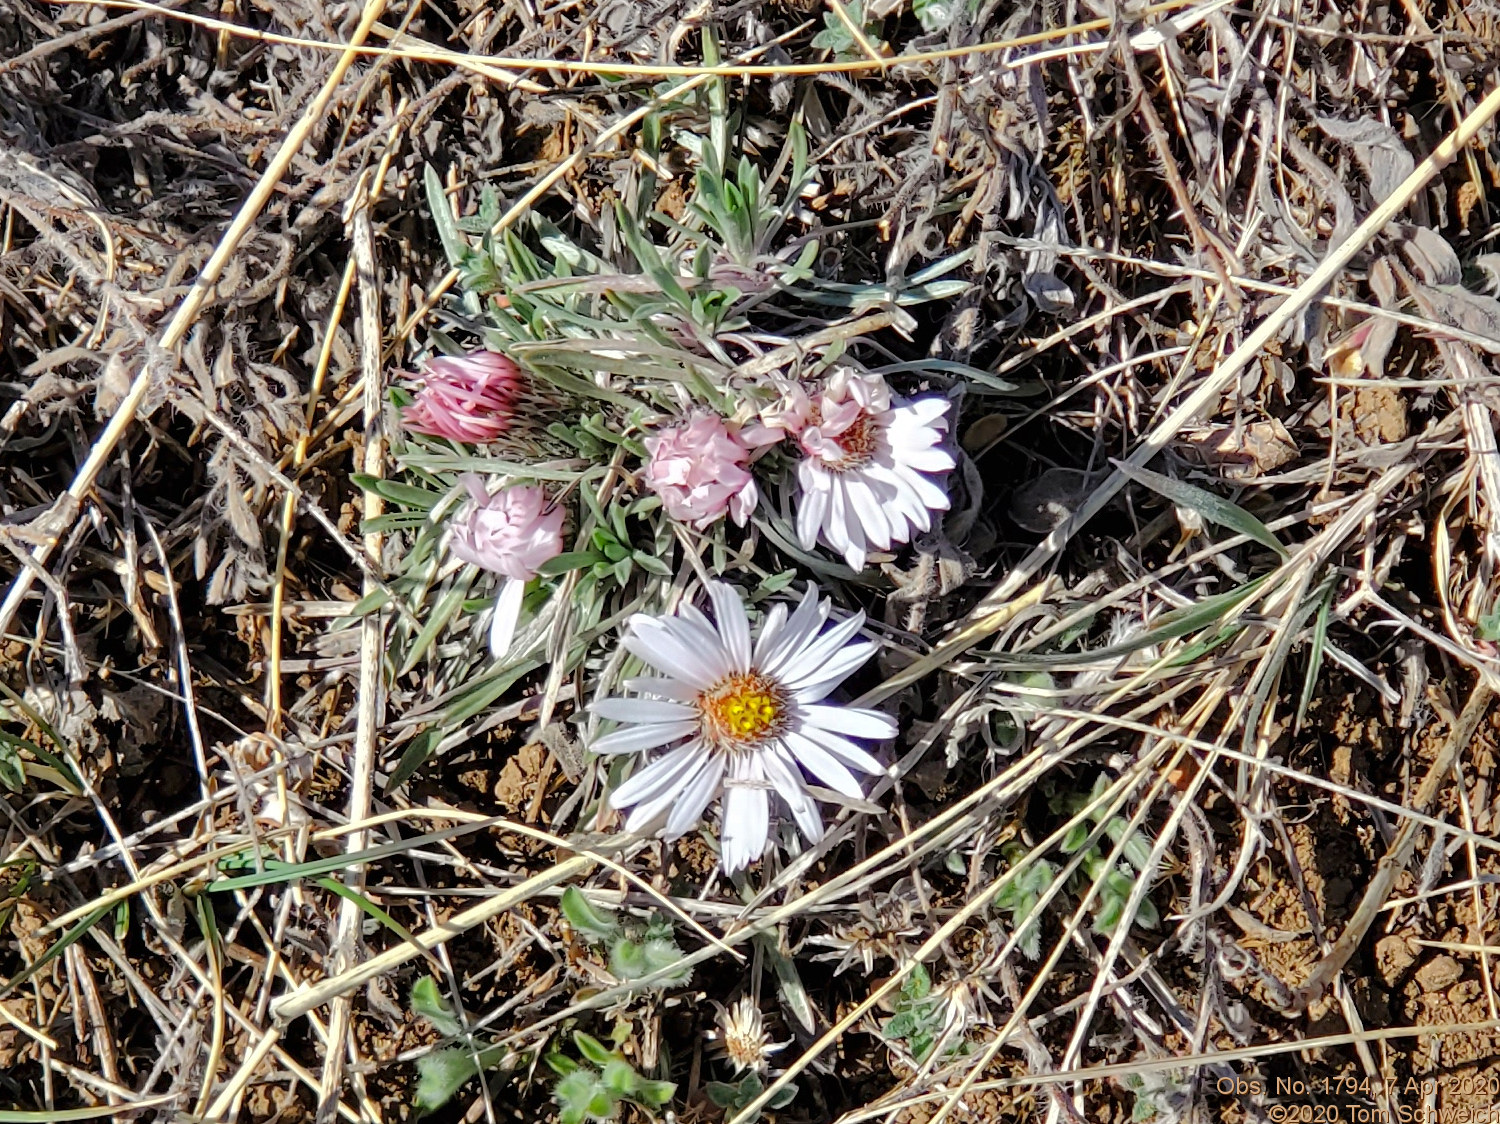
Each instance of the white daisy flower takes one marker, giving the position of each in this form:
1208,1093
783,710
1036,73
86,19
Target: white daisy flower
865,459
742,717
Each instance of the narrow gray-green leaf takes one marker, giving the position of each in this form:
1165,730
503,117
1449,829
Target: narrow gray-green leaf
487,691
438,620
1168,626
454,243
789,983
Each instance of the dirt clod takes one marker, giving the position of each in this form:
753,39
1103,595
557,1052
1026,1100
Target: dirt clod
1439,973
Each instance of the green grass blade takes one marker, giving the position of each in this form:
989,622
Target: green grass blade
59,946
1315,656
367,907
1214,508
92,1112
45,727
276,871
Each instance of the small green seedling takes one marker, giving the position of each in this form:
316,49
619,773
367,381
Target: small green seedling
593,1089
837,37
920,1018
443,1072
1115,884
1021,897
733,1096
634,951
1161,1096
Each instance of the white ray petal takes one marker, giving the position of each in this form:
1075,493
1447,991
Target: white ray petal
674,689
694,798
853,721
932,497
907,426
506,617
868,511
634,739
822,764
804,623
925,410
807,663
770,630
734,625
906,437
813,504
782,772
905,503
845,750
927,460
747,822
664,775
661,648
649,812
696,629
839,667
842,529
643,710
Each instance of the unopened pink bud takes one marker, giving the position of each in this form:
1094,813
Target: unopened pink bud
511,533
470,399
698,471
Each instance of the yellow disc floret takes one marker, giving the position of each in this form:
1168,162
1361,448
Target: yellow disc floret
742,711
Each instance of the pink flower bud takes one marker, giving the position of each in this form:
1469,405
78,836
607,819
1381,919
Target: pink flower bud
470,399
838,421
698,471
792,414
511,533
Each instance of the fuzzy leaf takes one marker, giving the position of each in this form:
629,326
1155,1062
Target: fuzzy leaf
1110,908
619,1078
602,1104
1137,853
934,15
627,960
917,985
440,1075
654,1094
560,1064
596,925
661,954
722,1094
428,1002
592,1049
1075,838
573,1092
1029,940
